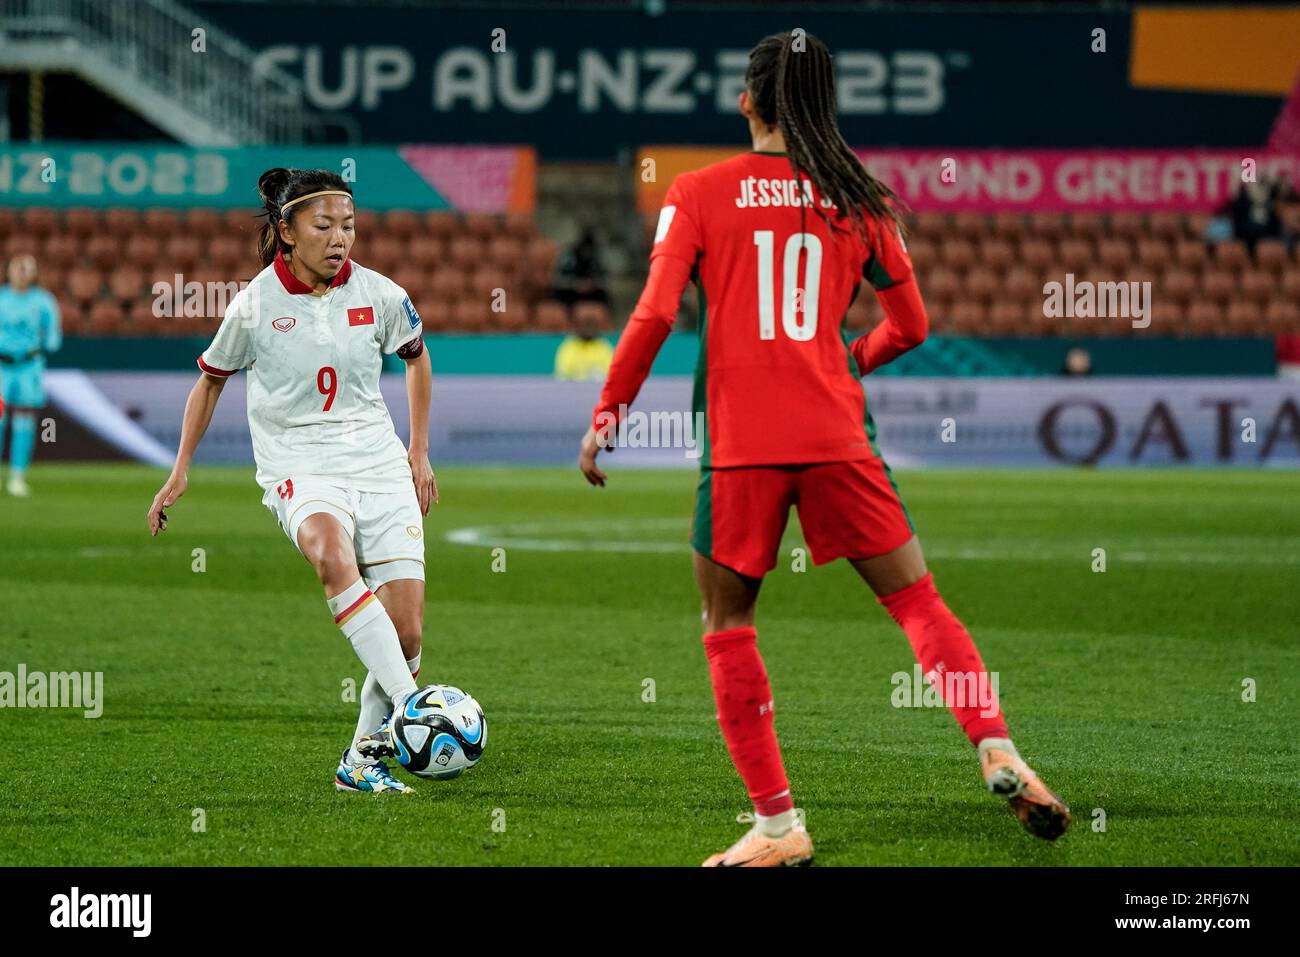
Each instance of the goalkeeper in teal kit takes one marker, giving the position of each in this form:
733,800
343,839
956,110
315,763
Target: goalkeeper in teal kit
29,328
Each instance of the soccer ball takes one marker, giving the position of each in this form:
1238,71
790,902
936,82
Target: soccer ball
440,732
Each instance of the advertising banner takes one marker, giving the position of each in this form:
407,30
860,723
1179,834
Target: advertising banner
1009,181
922,423
470,178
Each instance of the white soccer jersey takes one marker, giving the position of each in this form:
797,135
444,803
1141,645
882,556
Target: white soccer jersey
314,405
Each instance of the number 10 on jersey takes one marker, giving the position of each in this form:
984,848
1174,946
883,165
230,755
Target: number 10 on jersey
799,325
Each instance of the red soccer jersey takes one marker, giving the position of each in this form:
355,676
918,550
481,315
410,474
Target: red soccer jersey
776,382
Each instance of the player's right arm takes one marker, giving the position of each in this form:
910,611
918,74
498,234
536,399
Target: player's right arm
678,244
230,351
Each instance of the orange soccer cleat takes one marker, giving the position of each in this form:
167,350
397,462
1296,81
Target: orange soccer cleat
1042,813
794,848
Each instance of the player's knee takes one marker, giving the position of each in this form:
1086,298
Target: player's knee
332,560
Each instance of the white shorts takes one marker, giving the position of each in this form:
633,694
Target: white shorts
386,528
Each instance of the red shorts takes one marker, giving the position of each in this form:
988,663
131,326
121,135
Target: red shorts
846,509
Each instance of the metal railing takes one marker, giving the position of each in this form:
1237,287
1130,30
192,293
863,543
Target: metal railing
221,89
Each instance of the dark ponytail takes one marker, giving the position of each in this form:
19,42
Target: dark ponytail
794,91
279,186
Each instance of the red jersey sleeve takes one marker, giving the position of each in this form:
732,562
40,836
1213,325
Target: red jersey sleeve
678,242
888,268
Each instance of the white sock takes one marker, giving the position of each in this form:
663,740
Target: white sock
776,825
374,705
364,622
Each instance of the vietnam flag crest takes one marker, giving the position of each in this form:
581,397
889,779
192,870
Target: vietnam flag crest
362,316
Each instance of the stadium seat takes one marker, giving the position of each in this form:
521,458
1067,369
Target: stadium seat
1191,253
1009,225
8,220
1270,254
1206,318
522,226
440,222
1290,283
969,226
1116,255
466,252
104,250
1154,255
1048,225
1231,254
106,318
60,250
981,285
84,285
81,222
21,244
143,250
550,316
38,221
1038,255
402,223
182,252
470,315
1244,318
427,252
202,223
482,226
1258,285
505,252
996,254
1218,285
1087,225
1178,284
447,285
1166,226
1126,225
1021,284
161,222
126,285
957,254
1076,255
121,221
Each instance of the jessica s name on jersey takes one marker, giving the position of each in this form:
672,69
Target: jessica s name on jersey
757,192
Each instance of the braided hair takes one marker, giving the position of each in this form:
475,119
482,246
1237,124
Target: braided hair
794,91
279,186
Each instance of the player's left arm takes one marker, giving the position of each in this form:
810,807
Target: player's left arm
51,331
889,271
403,335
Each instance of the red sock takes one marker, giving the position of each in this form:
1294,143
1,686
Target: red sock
944,646
744,699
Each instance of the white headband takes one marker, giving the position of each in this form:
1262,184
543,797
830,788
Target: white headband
323,192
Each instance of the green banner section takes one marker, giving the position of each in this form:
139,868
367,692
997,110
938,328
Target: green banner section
938,356
130,174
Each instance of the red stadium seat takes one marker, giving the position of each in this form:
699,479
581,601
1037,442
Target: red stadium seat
481,226
82,222
1115,255
1259,285
470,315
522,226
1076,255
225,251
1154,254
1048,225
981,285
104,251
144,250
448,285
379,251
550,316
1178,284
1231,254
106,319
1270,254
38,221
996,254
121,222
466,252
1166,226
202,223
84,285
1037,254
1290,283
182,253
970,226
1282,315
1191,253
22,244
1087,225
924,252
1206,318
1126,225
957,254
8,220
441,222
61,250
1021,284
126,285
1245,318
427,252
506,252
1218,285
402,223
1009,225
161,222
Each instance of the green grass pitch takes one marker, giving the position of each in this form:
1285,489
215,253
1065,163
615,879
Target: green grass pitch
224,688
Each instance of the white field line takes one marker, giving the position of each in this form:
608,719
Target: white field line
604,537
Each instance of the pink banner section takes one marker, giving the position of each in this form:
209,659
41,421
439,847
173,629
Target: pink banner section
990,181
478,179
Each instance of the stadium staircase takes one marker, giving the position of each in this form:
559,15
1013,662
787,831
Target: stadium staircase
141,53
